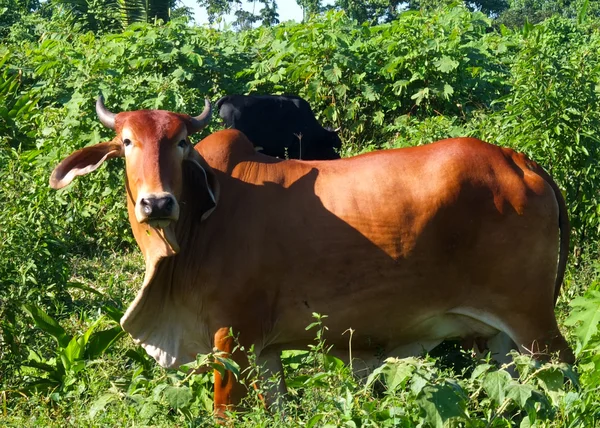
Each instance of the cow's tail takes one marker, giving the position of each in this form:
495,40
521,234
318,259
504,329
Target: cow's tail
565,232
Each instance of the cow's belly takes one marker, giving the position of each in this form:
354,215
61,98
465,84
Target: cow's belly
421,338
394,335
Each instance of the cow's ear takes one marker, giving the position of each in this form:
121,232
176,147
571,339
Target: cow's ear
84,161
208,177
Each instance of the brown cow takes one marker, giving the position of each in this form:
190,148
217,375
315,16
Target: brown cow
408,247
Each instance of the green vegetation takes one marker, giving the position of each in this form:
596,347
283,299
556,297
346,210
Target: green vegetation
69,266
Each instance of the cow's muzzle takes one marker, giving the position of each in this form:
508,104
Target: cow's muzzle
157,210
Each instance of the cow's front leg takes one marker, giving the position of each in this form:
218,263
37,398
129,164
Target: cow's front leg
228,391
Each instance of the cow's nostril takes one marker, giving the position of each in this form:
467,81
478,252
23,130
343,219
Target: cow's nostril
157,207
146,206
164,204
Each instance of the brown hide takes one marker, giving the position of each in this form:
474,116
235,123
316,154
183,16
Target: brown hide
407,247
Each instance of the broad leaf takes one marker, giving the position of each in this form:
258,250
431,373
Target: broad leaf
480,370
100,341
48,324
495,384
440,403
520,393
177,396
72,353
101,403
585,317
445,64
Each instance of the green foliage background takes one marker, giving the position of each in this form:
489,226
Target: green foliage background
68,263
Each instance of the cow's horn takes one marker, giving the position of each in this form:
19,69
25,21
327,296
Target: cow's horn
203,118
106,117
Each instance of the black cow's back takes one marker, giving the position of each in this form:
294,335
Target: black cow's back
283,126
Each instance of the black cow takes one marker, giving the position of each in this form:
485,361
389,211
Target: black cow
280,124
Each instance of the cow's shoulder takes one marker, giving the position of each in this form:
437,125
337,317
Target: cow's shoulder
225,149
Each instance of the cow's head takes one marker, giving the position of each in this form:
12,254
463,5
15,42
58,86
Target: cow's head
155,145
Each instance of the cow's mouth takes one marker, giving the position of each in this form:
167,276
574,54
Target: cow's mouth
160,223
164,228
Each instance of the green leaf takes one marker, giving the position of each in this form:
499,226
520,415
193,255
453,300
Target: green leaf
177,396
585,317
445,64
55,372
148,410
48,324
394,371
397,373
448,90
100,341
440,403
480,370
332,363
71,353
113,313
420,95
582,12
551,379
84,287
229,365
332,74
399,86
417,383
495,384
520,393
99,404
89,332
369,92
526,423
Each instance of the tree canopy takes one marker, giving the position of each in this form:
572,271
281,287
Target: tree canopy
101,16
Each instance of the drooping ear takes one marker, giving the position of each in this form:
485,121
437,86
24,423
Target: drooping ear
83,161
208,177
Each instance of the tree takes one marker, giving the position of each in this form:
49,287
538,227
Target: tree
268,14
102,16
217,8
244,19
309,7
489,7
370,10
146,10
535,11
12,10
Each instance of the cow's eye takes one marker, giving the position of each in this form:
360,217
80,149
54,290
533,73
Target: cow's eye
182,144
126,142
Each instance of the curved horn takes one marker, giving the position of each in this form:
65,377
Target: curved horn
203,118
106,117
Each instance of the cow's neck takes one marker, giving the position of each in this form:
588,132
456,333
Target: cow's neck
160,318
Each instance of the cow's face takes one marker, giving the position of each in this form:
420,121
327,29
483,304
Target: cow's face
155,144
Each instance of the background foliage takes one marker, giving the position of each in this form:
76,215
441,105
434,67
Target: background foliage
69,266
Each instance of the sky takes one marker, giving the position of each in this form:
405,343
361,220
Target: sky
287,9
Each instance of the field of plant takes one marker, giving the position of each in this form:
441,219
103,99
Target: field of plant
69,265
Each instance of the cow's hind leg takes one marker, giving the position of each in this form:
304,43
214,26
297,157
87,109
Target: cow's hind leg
272,378
540,337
